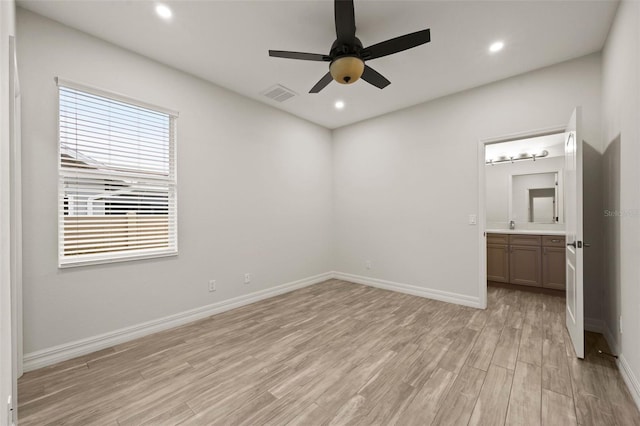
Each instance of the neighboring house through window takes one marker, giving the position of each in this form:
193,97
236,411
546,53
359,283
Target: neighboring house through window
117,178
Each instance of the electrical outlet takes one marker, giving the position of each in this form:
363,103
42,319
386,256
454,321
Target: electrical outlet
247,277
367,264
212,285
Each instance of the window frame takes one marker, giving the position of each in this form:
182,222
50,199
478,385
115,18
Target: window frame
172,181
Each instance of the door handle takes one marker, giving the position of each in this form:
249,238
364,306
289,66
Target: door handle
578,244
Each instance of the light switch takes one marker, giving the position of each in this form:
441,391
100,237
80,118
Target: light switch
473,219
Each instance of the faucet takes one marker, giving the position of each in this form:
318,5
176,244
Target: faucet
512,224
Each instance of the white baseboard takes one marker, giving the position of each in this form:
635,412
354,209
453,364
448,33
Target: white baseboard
629,378
443,296
626,372
595,325
55,354
50,356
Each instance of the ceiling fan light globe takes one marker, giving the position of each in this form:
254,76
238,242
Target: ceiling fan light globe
347,70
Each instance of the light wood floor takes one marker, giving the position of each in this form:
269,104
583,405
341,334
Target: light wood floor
341,353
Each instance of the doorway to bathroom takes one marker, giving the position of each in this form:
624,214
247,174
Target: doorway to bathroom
524,213
530,212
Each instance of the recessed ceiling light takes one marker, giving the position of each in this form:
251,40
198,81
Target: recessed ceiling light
496,47
163,11
339,104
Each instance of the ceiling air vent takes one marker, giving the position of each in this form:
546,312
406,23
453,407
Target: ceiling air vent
279,93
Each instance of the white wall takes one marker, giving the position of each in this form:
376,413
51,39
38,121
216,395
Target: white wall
405,183
254,187
497,187
621,133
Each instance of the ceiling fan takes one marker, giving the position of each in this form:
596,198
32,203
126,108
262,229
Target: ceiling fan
347,56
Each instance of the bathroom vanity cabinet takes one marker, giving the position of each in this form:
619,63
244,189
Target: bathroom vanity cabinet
530,260
498,258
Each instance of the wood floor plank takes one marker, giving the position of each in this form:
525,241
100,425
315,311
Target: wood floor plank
424,406
388,409
557,409
478,319
459,350
555,370
624,413
530,350
313,414
593,411
352,411
498,315
458,404
354,380
482,351
515,318
525,400
172,416
342,353
553,326
422,368
506,352
491,407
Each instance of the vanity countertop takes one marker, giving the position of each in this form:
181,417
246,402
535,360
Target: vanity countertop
525,231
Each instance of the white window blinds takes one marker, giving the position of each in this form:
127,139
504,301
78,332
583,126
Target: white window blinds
117,179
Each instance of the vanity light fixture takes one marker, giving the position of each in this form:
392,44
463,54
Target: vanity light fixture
514,158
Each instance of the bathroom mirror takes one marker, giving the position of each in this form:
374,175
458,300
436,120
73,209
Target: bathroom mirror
536,198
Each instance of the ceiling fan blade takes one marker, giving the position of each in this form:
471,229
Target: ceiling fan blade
299,55
324,81
396,45
373,77
345,21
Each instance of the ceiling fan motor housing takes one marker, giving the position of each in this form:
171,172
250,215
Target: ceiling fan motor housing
347,66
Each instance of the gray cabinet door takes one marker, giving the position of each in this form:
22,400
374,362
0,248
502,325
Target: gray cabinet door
525,266
553,268
498,263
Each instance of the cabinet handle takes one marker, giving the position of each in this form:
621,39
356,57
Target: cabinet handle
555,241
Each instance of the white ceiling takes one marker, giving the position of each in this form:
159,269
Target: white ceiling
226,42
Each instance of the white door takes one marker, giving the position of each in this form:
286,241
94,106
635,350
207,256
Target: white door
573,221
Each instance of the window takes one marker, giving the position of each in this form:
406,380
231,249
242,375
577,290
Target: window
117,178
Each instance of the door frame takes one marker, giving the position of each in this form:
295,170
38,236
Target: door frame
15,192
482,197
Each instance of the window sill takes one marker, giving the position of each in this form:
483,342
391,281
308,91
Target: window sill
101,259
